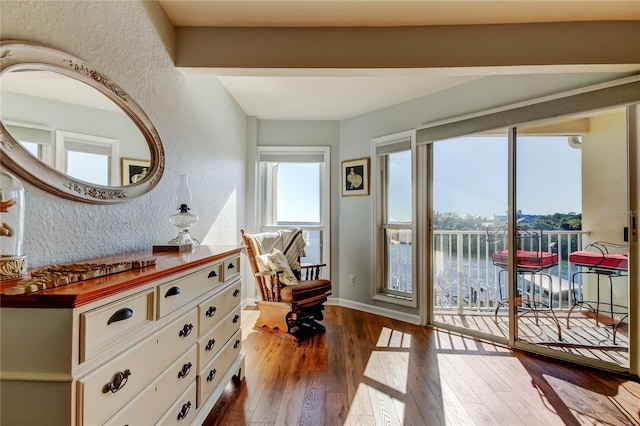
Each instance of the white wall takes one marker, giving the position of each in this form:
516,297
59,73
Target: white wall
56,115
202,128
605,194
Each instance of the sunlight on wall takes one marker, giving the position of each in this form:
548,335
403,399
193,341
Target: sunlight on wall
223,229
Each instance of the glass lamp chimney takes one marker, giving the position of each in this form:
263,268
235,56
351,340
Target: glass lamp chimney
184,219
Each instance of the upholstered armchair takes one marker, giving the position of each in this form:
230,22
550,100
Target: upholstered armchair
292,295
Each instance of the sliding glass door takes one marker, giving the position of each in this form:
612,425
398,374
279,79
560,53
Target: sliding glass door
469,196
530,236
571,235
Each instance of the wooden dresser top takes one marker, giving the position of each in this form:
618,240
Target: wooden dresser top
83,292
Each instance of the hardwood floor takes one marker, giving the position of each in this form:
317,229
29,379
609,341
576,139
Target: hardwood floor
371,370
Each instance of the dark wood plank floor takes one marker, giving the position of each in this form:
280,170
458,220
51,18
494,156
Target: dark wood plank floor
371,370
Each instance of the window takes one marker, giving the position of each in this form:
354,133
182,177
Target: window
35,139
89,158
395,212
294,192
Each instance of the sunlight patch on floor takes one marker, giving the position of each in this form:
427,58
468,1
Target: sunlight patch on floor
390,369
381,400
372,406
390,338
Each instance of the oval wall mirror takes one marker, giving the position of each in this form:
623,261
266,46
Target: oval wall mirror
72,131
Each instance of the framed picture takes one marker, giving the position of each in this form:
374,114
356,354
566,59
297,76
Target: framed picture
134,171
355,177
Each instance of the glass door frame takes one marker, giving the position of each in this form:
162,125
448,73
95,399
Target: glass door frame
595,99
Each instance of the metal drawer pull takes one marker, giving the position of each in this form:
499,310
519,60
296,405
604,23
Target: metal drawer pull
210,345
173,291
186,330
185,410
231,266
236,318
236,344
236,293
212,274
117,382
211,375
120,315
211,311
185,371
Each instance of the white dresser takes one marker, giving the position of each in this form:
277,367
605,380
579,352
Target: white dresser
156,345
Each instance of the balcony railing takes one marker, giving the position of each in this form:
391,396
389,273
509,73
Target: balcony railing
465,277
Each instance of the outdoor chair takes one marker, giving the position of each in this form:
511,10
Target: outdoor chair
600,258
532,263
292,294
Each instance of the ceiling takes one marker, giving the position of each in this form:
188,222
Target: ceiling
340,97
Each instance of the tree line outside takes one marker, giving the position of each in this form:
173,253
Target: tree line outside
451,221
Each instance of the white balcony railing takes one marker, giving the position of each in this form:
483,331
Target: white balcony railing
466,279
464,276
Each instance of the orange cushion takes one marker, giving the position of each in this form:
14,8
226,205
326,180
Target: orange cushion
602,260
526,259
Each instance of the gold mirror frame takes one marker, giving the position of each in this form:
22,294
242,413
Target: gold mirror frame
21,55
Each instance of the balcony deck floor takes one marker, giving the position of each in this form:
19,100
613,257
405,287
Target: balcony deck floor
583,337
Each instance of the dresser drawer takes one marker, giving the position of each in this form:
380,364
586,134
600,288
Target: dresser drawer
213,373
211,310
162,392
184,409
103,392
210,344
176,293
231,268
107,323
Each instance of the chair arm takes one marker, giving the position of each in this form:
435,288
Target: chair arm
319,265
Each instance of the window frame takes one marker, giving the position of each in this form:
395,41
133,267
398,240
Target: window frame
266,208
46,148
381,147
64,137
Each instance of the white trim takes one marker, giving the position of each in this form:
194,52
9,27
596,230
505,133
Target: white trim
605,85
46,148
325,194
633,134
376,310
378,219
109,143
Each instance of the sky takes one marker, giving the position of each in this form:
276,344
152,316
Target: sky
299,192
470,177
471,174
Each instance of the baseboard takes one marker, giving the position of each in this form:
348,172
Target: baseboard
249,301
376,310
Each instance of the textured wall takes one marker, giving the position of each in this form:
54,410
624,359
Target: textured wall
202,129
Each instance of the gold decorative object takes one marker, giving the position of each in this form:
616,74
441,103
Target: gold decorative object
61,275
